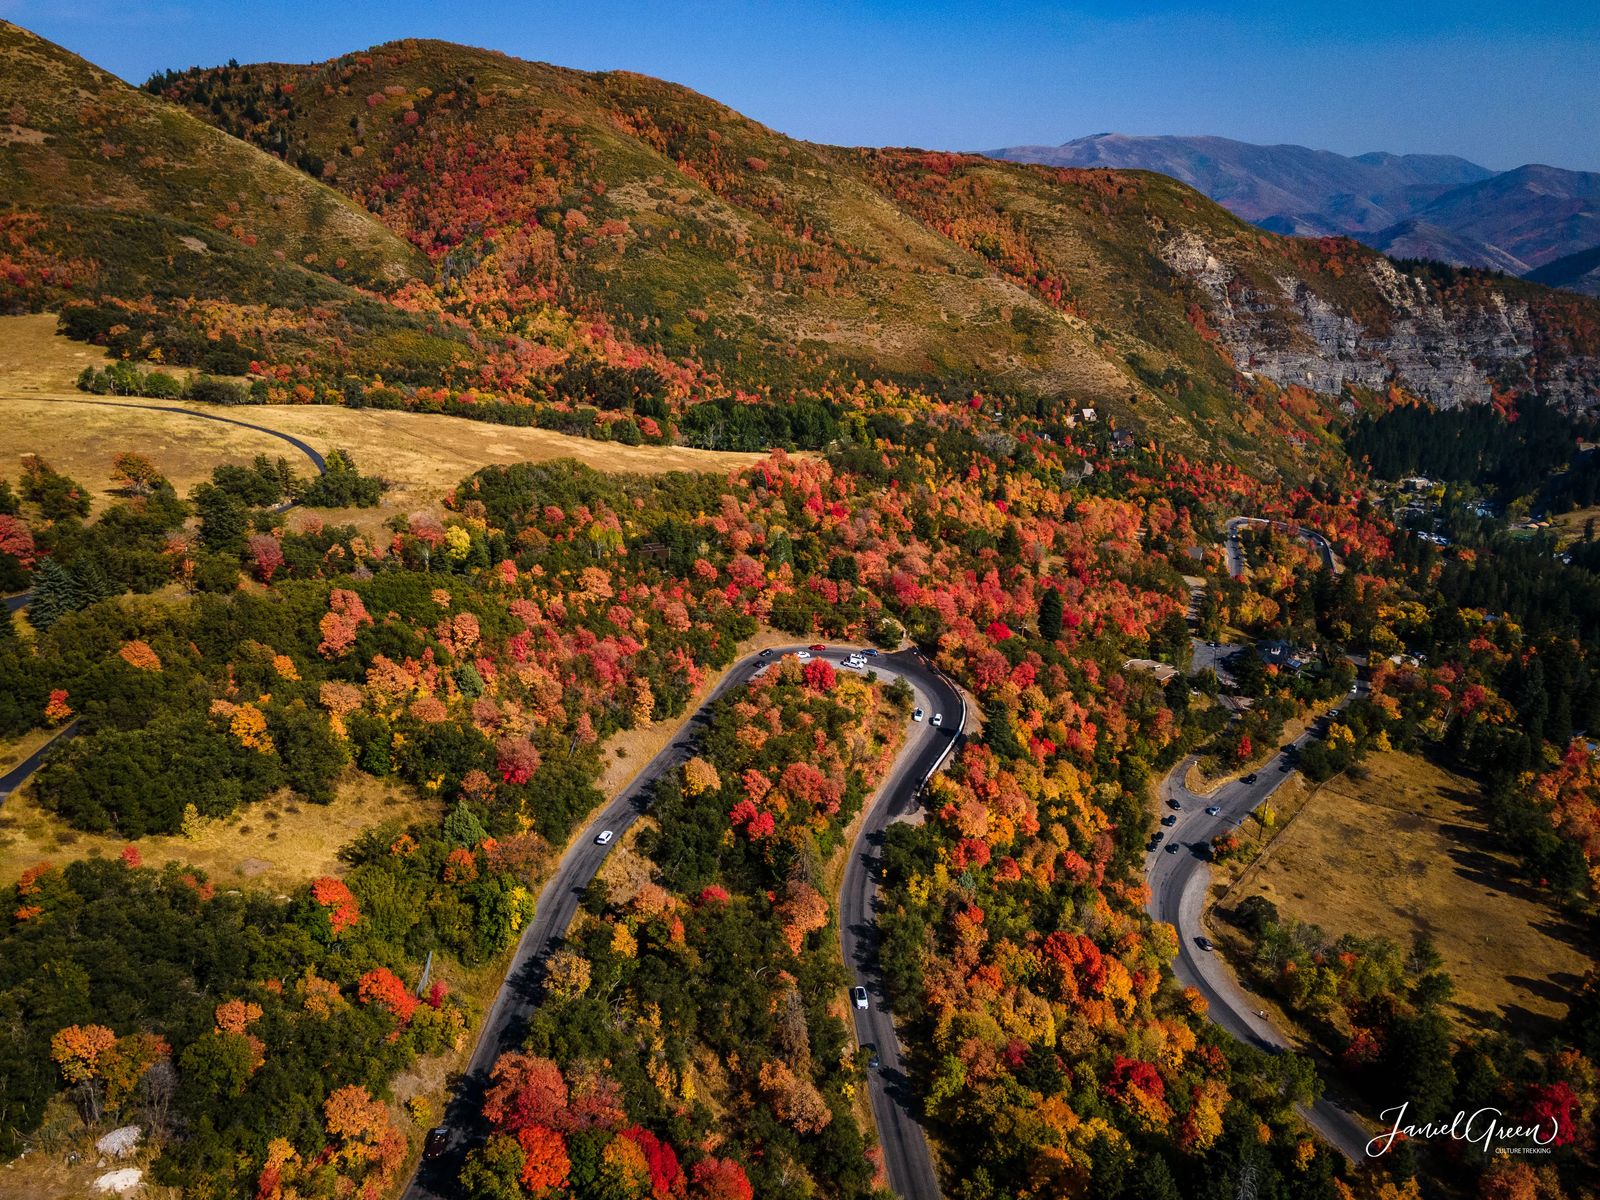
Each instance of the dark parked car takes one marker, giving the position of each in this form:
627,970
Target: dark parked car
1204,943
1155,839
437,1142
1174,806
1250,778
1212,811
1169,820
1174,847
873,1060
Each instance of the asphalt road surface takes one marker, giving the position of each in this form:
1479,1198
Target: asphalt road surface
1211,656
895,1105
18,775
906,1155
1178,884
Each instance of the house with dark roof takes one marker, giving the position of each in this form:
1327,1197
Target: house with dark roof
1280,654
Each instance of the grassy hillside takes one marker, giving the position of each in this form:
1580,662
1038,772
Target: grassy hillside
79,141
616,255
136,216
702,236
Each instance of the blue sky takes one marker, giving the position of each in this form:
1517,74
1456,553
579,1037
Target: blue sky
1502,84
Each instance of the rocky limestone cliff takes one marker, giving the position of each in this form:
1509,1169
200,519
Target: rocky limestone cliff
1448,353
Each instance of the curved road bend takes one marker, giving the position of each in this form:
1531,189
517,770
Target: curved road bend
19,601
905,1150
1234,553
316,459
1179,881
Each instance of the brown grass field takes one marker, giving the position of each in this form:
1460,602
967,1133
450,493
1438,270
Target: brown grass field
14,749
1403,850
278,844
1569,526
422,455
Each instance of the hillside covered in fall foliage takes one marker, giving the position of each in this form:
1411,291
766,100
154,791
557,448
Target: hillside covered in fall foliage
427,226
618,256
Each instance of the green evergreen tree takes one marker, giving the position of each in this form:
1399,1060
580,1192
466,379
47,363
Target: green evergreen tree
89,582
54,592
1050,615
1417,1058
780,548
1152,1180
998,734
462,827
223,519
1010,543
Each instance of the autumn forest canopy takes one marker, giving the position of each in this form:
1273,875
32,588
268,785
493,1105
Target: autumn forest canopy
1006,416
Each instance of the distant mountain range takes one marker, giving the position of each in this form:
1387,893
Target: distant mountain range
1533,218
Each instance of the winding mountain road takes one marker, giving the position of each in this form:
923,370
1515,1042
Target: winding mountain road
1235,553
906,1156
1179,880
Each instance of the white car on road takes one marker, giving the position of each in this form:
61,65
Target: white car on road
859,995
603,838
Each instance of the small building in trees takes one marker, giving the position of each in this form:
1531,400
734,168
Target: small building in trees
1278,653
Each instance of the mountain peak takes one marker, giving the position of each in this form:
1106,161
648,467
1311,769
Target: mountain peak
1415,205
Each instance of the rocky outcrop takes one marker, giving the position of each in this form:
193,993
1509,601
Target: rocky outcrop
120,1143
1449,353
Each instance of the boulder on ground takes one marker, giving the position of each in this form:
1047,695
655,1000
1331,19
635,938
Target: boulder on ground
120,1143
120,1182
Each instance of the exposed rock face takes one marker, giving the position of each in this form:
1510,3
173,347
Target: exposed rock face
1448,353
